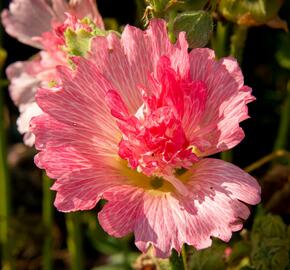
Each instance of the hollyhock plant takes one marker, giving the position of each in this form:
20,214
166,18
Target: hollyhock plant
133,124
39,24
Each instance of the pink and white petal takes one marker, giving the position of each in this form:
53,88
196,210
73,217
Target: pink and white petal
23,85
81,190
59,8
158,220
209,175
226,104
159,44
168,220
119,215
83,169
78,8
148,46
79,143
27,19
80,102
117,69
27,112
67,148
121,58
83,8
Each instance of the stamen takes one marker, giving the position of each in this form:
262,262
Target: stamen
180,187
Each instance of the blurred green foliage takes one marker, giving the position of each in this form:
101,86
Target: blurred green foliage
270,243
249,12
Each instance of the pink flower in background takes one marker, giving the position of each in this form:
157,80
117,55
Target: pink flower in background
134,129
27,20
34,23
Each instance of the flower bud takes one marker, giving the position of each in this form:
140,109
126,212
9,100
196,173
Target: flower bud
198,26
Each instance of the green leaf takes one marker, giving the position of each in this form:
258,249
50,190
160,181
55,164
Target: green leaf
269,226
270,245
270,254
198,26
240,250
212,258
176,261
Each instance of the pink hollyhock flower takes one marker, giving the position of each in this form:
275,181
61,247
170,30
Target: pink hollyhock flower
38,23
134,129
27,20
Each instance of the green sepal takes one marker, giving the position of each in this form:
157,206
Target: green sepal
78,42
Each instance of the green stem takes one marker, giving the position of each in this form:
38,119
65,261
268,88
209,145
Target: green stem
219,40
238,40
47,219
177,261
7,262
184,257
74,241
264,160
282,137
171,17
4,193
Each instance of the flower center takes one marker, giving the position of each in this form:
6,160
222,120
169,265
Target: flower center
154,140
156,182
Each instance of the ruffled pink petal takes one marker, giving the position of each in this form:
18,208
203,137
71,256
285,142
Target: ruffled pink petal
226,104
27,112
22,89
83,164
78,8
135,56
78,139
23,84
148,46
81,190
25,77
167,220
59,7
81,102
27,19
83,8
